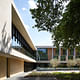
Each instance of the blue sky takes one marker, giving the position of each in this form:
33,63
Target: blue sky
38,38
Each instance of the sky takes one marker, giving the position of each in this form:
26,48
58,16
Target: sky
38,38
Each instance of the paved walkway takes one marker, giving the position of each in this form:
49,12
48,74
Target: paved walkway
19,76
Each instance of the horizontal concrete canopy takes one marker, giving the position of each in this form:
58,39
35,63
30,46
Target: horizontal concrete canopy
18,55
45,46
17,21
21,55
43,61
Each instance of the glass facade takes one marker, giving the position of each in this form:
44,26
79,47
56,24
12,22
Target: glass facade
42,52
64,52
19,43
71,52
57,51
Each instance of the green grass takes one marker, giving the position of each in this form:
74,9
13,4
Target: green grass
58,75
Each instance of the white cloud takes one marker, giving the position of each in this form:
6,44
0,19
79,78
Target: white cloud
24,9
32,4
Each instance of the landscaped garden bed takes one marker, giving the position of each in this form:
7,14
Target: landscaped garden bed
57,69
55,76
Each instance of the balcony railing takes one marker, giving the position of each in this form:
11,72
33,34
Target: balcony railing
62,58
70,57
43,59
24,51
55,57
77,56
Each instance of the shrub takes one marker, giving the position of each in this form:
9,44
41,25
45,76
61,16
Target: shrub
78,62
71,63
54,62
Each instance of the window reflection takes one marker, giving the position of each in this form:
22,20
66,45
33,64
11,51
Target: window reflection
57,51
64,51
43,53
71,51
19,43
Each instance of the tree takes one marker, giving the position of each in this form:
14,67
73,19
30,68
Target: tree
54,62
47,14
64,27
67,32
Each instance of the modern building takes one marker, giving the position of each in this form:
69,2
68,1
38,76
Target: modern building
17,51
46,53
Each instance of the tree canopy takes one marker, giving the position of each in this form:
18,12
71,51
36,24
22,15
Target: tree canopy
63,24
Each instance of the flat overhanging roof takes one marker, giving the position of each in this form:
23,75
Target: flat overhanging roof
17,21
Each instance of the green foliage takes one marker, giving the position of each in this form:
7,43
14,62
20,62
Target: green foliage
67,32
64,27
47,14
54,62
71,63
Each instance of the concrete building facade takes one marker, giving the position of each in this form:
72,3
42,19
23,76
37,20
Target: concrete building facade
17,50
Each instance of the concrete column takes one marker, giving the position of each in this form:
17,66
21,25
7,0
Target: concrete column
52,53
67,55
74,53
59,53
37,55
